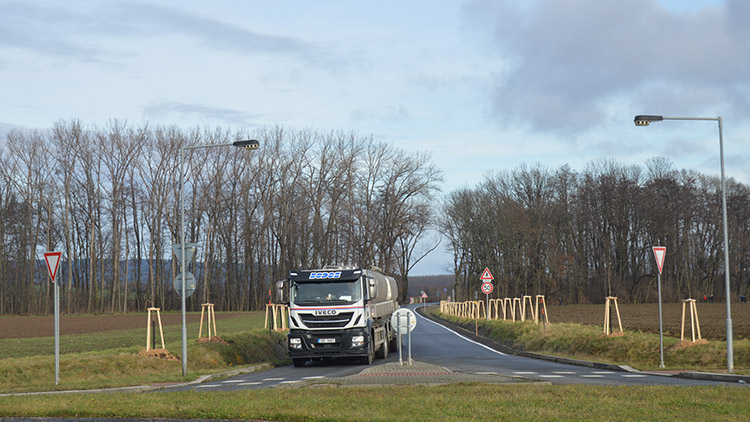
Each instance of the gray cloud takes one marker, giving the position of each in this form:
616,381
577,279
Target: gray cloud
161,110
73,32
568,62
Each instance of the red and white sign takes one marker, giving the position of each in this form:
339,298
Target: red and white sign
487,287
659,253
424,295
53,262
487,275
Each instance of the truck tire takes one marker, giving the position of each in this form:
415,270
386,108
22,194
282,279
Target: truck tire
383,351
367,360
299,362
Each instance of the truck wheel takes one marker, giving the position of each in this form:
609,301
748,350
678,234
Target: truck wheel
367,360
299,362
383,351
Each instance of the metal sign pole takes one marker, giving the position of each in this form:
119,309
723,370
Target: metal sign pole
408,324
57,332
661,332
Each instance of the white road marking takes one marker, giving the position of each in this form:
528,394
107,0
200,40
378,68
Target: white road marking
313,378
525,373
551,376
564,372
603,372
208,386
592,376
465,338
487,373
274,379
289,382
251,383
231,381
633,376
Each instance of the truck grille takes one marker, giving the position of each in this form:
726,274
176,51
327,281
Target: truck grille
326,321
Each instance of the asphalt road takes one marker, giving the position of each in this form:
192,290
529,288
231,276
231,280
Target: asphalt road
435,344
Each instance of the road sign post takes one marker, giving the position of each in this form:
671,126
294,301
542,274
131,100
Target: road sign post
404,321
487,289
53,262
659,253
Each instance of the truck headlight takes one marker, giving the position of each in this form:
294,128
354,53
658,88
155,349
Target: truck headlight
358,341
295,343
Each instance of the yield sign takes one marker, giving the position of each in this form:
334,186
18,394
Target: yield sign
53,261
486,275
659,253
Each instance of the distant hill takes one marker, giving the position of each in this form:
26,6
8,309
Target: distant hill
436,286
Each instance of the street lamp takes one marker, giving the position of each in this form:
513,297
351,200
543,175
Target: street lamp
645,120
250,144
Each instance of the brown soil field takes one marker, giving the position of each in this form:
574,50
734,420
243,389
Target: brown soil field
44,326
645,317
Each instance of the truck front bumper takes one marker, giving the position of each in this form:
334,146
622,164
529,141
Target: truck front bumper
336,343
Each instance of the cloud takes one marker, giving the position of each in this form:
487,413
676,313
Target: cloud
566,63
391,113
201,114
73,32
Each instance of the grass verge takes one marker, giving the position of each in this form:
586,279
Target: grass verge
635,348
102,360
414,403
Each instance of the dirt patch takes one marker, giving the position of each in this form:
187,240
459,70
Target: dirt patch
158,353
684,344
645,317
25,327
212,339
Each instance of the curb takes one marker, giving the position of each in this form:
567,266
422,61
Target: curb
148,388
705,376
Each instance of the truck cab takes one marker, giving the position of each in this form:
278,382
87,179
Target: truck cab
340,312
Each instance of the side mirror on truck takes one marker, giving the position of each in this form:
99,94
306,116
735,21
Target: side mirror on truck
282,291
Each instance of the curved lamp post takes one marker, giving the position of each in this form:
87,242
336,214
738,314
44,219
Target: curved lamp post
645,120
250,144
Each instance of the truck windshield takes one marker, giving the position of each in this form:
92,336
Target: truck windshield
328,293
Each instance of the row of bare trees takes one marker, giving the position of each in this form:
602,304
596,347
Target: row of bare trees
583,236
108,198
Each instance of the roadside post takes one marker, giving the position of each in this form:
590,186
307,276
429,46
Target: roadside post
487,288
404,321
659,253
53,262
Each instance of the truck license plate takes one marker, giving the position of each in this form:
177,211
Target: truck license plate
327,340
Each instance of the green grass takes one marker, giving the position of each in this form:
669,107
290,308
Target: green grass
414,403
101,360
637,349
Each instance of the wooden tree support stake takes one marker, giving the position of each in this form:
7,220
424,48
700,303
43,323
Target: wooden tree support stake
148,329
540,299
694,322
211,317
607,310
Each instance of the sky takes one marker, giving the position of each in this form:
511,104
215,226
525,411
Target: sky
482,85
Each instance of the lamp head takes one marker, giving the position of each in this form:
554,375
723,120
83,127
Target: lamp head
250,144
645,120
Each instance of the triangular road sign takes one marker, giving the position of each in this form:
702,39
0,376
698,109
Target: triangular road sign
486,275
659,253
53,261
190,249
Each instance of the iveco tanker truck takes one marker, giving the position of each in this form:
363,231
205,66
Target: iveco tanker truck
340,312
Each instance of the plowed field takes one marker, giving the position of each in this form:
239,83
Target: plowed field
645,317
24,327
